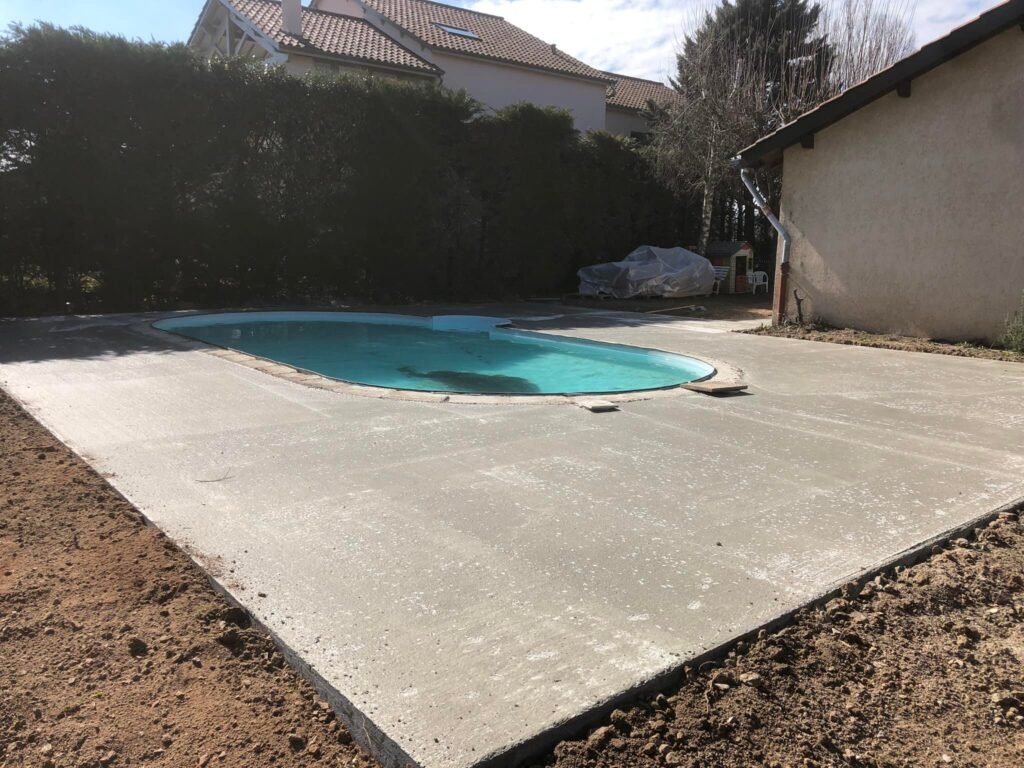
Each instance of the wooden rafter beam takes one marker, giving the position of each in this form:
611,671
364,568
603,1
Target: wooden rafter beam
256,37
218,34
242,40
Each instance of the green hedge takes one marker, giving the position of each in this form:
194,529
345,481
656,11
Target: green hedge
136,176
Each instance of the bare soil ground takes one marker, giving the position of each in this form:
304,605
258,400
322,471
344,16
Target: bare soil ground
924,666
887,341
740,306
115,651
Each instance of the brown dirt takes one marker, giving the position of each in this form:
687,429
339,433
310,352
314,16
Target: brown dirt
115,651
923,667
741,306
887,341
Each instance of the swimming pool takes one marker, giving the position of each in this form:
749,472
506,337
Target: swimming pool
451,353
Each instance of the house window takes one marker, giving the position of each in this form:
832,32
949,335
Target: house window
457,31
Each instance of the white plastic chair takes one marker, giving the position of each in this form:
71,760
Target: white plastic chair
721,275
757,280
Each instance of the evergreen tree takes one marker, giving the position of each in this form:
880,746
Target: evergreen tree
746,68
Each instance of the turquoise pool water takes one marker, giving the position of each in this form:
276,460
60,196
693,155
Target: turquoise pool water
455,353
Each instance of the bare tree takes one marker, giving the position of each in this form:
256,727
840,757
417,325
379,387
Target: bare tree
868,36
747,67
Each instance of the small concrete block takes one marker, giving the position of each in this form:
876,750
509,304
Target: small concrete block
715,387
597,406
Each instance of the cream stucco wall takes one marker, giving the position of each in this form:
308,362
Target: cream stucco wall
624,123
908,215
298,66
497,85
347,7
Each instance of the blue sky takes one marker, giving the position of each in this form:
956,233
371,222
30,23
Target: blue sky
630,36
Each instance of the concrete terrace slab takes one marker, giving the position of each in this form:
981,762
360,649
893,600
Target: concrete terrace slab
468,576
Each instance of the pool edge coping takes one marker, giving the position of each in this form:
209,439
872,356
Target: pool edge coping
723,372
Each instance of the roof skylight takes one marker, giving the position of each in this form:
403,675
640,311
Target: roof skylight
457,31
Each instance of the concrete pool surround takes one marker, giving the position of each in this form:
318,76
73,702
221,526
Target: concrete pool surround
722,377
467,585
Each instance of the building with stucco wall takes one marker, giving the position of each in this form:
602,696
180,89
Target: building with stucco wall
495,62
496,85
902,196
627,111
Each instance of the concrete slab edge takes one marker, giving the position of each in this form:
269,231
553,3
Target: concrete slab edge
530,750
364,732
391,755
725,374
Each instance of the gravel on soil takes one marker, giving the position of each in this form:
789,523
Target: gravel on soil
922,666
818,332
116,651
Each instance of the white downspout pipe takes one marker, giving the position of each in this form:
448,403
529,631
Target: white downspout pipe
746,174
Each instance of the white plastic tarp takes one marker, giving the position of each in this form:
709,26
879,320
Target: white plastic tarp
650,271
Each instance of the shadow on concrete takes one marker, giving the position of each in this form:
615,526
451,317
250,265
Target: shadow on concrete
567,313
75,337
743,306
69,337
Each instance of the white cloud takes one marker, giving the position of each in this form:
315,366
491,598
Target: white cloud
634,38
935,18
639,37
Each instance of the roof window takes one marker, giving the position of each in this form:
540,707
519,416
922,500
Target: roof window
457,31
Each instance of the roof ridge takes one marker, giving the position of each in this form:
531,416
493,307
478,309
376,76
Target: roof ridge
335,14
542,67
460,8
634,77
319,11
495,38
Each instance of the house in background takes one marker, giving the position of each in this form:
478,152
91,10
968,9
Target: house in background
627,104
495,62
902,196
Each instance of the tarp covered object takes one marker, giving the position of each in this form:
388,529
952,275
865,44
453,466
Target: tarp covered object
650,271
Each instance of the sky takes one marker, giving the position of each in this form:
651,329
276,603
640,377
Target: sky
634,37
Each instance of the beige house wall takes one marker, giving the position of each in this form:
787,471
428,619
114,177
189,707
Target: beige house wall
622,122
346,7
497,85
299,65
908,215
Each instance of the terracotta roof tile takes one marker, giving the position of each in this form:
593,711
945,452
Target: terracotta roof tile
634,93
331,34
494,38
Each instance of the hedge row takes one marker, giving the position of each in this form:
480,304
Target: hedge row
138,176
